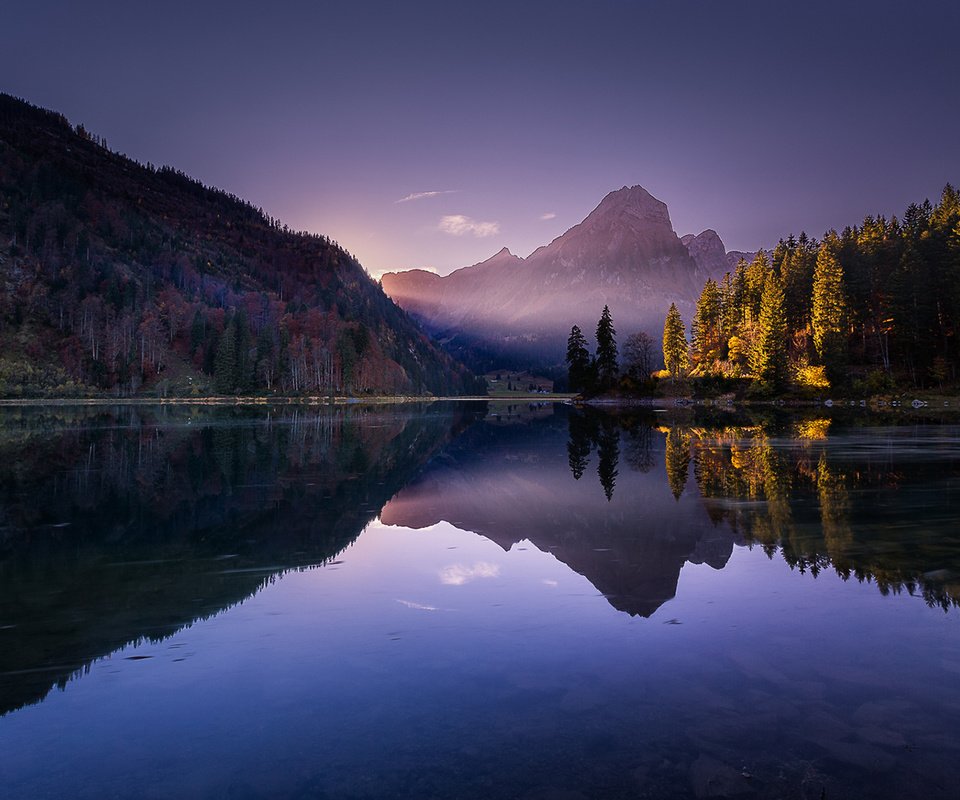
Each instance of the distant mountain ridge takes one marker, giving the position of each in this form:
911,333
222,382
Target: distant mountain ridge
123,278
625,254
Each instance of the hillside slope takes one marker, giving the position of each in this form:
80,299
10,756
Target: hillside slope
123,278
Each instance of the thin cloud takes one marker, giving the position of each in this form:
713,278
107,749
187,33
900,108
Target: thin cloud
424,195
459,225
548,215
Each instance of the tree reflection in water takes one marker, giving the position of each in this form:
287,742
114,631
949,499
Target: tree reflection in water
814,491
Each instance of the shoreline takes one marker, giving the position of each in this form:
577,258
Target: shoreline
269,401
881,404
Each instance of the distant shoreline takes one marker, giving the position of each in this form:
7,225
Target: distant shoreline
906,402
268,401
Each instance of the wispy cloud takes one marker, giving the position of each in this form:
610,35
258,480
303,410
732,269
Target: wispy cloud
548,215
424,195
459,225
459,574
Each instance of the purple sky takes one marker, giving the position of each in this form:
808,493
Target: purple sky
752,118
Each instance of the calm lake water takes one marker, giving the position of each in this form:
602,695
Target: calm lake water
474,601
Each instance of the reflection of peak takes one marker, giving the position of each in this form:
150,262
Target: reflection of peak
513,484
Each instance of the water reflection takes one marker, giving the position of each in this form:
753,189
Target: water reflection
850,500
878,505
117,527
513,484
501,630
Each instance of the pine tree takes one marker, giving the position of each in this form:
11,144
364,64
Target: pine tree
225,371
677,460
607,368
796,275
608,456
756,277
828,317
578,361
768,359
705,330
674,343
578,446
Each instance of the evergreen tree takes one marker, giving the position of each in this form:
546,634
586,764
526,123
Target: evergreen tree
828,318
578,361
674,343
608,456
578,445
245,354
607,369
705,330
677,460
225,362
755,278
738,295
796,275
768,358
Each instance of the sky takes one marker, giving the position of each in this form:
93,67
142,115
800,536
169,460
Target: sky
431,134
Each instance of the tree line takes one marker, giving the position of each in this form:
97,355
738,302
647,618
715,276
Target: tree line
605,369
870,308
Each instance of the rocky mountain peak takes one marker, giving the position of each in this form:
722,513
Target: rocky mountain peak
708,251
633,205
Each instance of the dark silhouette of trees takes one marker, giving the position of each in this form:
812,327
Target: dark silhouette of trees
578,445
578,361
608,455
638,355
607,368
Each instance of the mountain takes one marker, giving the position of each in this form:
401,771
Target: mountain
124,278
712,257
625,254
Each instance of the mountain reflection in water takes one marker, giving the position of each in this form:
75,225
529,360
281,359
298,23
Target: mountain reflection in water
452,644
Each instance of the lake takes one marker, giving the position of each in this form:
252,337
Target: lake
477,601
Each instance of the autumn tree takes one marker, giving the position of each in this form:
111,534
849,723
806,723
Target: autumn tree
674,343
829,308
705,330
768,358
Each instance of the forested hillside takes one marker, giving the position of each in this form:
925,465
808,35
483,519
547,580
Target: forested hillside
122,278
872,308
